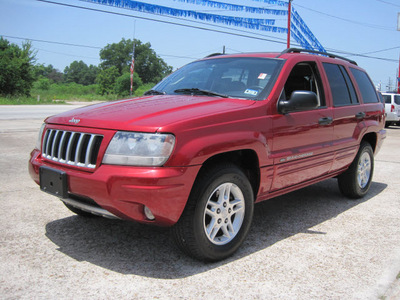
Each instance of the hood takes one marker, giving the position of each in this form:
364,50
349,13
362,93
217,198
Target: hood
147,113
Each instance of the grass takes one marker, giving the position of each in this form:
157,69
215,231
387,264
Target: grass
20,100
60,93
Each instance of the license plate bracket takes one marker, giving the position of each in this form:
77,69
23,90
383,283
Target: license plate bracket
53,182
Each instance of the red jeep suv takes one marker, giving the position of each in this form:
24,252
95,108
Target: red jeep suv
213,138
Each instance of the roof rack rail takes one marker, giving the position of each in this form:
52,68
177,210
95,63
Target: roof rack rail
298,50
214,54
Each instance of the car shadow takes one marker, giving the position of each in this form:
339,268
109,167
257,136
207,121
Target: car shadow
131,248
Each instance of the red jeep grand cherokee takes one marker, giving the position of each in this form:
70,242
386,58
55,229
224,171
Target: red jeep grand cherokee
213,138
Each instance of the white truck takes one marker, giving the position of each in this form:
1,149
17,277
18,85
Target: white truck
392,108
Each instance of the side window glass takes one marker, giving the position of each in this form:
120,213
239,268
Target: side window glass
350,86
367,89
304,77
397,99
342,89
387,98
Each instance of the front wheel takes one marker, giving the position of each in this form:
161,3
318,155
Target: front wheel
218,214
355,182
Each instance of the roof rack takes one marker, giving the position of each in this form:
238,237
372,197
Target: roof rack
298,50
214,54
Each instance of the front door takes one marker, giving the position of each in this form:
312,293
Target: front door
302,141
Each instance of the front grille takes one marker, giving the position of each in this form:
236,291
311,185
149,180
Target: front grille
71,148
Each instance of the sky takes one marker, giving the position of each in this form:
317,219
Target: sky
62,34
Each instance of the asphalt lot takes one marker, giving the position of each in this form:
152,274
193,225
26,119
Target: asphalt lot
309,244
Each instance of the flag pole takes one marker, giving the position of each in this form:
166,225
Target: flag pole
133,58
398,79
289,23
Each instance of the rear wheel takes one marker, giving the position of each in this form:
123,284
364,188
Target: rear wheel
218,214
355,182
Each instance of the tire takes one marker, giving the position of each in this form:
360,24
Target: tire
218,214
80,212
356,180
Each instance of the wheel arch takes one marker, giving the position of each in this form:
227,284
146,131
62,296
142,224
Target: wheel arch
246,159
372,139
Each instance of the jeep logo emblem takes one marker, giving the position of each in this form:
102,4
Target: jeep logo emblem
74,121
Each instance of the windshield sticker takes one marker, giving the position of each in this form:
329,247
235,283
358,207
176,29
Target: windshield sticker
262,76
251,92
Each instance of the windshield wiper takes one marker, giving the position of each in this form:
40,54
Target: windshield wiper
196,91
154,92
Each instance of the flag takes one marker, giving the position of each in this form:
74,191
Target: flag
132,70
132,65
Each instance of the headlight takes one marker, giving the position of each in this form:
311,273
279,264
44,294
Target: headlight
39,140
139,149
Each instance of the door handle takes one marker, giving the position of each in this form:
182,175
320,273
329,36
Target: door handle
325,121
360,115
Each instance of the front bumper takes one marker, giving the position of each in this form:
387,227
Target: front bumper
124,190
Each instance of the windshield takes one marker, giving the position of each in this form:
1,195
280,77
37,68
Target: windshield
236,77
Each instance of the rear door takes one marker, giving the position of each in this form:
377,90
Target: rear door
302,140
347,115
397,104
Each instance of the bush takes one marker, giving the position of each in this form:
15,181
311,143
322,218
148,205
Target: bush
42,84
143,88
123,84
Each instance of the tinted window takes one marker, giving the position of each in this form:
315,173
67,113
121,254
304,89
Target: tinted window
365,85
342,88
350,86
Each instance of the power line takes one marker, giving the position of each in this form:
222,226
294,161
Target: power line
349,54
348,20
386,2
50,42
383,50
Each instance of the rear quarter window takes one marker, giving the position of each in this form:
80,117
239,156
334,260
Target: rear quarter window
365,85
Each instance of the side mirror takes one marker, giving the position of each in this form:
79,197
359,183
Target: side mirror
299,101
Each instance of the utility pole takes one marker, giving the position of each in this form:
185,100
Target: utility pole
398,79
289,22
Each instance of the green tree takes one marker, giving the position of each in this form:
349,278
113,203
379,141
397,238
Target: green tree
149,66
123,84
56,76
42,83
16,65
49,72
80,73
106,80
